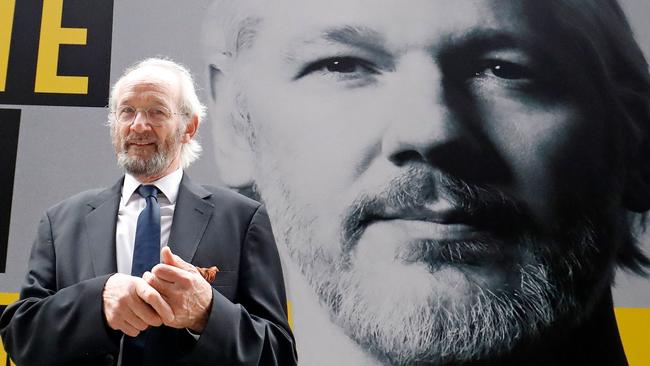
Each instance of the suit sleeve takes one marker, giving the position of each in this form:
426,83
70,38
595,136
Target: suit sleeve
51,326
254,331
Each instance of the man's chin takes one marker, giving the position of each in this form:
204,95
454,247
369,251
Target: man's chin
139,165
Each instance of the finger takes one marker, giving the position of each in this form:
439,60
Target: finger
151,297
148,277
180,263
171,274
134,320
129,329
146,313
165,288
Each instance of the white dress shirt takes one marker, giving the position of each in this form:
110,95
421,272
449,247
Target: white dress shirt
131,204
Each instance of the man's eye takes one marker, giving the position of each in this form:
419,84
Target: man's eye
157,112
505,70
345,66
126,110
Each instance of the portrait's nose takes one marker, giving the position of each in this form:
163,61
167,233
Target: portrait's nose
422,121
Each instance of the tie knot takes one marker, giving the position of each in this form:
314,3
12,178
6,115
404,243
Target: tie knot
148,191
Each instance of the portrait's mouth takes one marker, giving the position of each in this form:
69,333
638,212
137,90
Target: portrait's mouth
426,229
441,212
433,222
434,236
438,244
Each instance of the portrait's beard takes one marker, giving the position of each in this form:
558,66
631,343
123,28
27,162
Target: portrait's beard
165,151
417,322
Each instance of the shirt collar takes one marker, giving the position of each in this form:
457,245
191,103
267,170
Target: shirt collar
168,185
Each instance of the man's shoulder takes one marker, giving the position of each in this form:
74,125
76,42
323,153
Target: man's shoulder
81,202
230,198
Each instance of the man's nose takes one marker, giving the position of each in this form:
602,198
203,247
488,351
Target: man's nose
140,121
423,121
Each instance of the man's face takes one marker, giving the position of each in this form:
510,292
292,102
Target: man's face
430,170
144,149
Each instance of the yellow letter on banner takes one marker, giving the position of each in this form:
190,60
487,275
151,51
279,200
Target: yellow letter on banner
6,299
52,36
6,24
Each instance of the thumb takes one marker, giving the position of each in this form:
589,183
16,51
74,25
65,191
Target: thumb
166,256
173,260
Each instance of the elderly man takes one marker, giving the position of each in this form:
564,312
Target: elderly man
75,309
455,181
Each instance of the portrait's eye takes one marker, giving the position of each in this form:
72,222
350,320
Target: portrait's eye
505,70
344,67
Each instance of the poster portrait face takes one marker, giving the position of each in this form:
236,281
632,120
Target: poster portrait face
453,179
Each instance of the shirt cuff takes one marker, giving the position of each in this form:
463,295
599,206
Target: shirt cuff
195,335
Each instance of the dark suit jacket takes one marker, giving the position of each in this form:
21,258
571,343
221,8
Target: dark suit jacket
58,319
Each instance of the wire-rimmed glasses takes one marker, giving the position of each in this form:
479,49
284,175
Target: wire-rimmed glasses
156,115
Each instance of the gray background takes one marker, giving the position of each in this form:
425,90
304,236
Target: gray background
64,150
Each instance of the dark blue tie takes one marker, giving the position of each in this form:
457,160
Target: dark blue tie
146,254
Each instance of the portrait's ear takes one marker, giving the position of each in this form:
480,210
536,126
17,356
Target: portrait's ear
636,197
233,154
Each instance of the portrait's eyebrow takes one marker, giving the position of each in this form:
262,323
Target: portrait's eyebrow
354,36
481,40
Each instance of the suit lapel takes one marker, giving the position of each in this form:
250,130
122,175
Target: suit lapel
191,217
100,229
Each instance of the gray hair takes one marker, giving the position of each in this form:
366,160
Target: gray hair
190,105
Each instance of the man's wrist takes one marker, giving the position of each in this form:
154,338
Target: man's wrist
198,325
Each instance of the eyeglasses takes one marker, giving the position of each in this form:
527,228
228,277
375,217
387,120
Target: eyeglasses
156,116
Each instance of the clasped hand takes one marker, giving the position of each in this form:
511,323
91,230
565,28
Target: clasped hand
174,294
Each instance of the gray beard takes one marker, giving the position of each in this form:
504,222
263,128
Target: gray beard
552,288
141,167
155,165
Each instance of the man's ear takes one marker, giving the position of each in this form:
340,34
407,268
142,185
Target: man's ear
233,154
636,196
190,129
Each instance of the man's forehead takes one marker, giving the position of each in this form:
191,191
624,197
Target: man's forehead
156,85
143,94
152,75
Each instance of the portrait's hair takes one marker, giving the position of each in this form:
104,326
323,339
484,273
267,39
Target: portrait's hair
596,33
190,104
613,62
231,26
